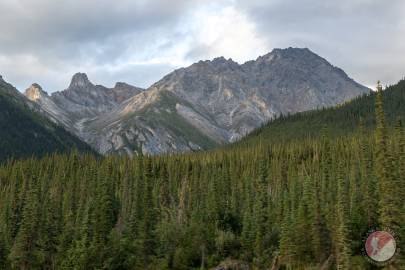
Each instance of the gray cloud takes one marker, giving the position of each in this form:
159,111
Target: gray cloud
34,24
364,37
47,40
138,41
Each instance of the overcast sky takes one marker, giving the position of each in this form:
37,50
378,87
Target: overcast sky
139,41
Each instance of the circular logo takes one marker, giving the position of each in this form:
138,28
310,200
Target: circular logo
380,246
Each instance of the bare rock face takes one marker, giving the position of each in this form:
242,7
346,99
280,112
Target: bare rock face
52,110
239,98
80,102
35,92
122,91
203,105
80,81
83,99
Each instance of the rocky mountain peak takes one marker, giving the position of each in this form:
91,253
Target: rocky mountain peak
123,91
223,62
122,85
80,80
219,60
219,64
291,51
35,92
301,54
37,86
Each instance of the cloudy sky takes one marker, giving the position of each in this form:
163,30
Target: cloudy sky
139,41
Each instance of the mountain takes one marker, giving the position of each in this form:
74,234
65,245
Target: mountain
81,101
25,132
204,105
283,204
335,121
84,99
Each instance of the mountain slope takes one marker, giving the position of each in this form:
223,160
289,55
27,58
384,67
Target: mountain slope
24,131
335,121
241,97
154,127
215,102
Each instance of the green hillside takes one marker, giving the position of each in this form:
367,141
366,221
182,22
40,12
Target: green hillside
336,121
287,203
25,133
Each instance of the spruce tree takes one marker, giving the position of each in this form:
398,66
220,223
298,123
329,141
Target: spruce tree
286,238
104,211
24,253
341,237
137,209
149,221
368,185
387,204
400,190
305,219
319,232
261,205
248,233
50,230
